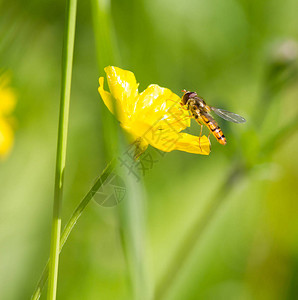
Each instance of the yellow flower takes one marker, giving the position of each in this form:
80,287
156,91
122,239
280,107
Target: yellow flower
7,104
153,117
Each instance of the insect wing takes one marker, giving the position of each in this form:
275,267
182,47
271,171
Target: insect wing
228,116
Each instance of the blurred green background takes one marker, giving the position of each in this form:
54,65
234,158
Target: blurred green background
239,55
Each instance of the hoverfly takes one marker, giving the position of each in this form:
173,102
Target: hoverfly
200,111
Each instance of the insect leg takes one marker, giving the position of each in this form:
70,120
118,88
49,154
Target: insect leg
182,119
209,137
172,101
201,131
183,107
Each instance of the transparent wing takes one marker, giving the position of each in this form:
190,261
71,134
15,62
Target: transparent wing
229,116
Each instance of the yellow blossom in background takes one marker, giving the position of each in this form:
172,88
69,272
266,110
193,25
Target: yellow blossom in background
7,104
153,116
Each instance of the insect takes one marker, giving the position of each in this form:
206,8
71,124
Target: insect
200,111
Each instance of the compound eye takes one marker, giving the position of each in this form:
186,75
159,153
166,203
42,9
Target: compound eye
192,95
187,96
184,99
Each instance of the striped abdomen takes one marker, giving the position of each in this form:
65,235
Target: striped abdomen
214,128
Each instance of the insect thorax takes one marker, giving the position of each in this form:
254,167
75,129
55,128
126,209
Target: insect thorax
196,104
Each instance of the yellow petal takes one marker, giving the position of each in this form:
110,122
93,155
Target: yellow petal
111,102
6,138
7,101
124,88
192,144
161,105
178,141
7,95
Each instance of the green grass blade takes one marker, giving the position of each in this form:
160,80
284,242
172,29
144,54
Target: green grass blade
67,59
132,218
107,53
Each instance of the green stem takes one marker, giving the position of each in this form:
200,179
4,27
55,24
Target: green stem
67,58
71,223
